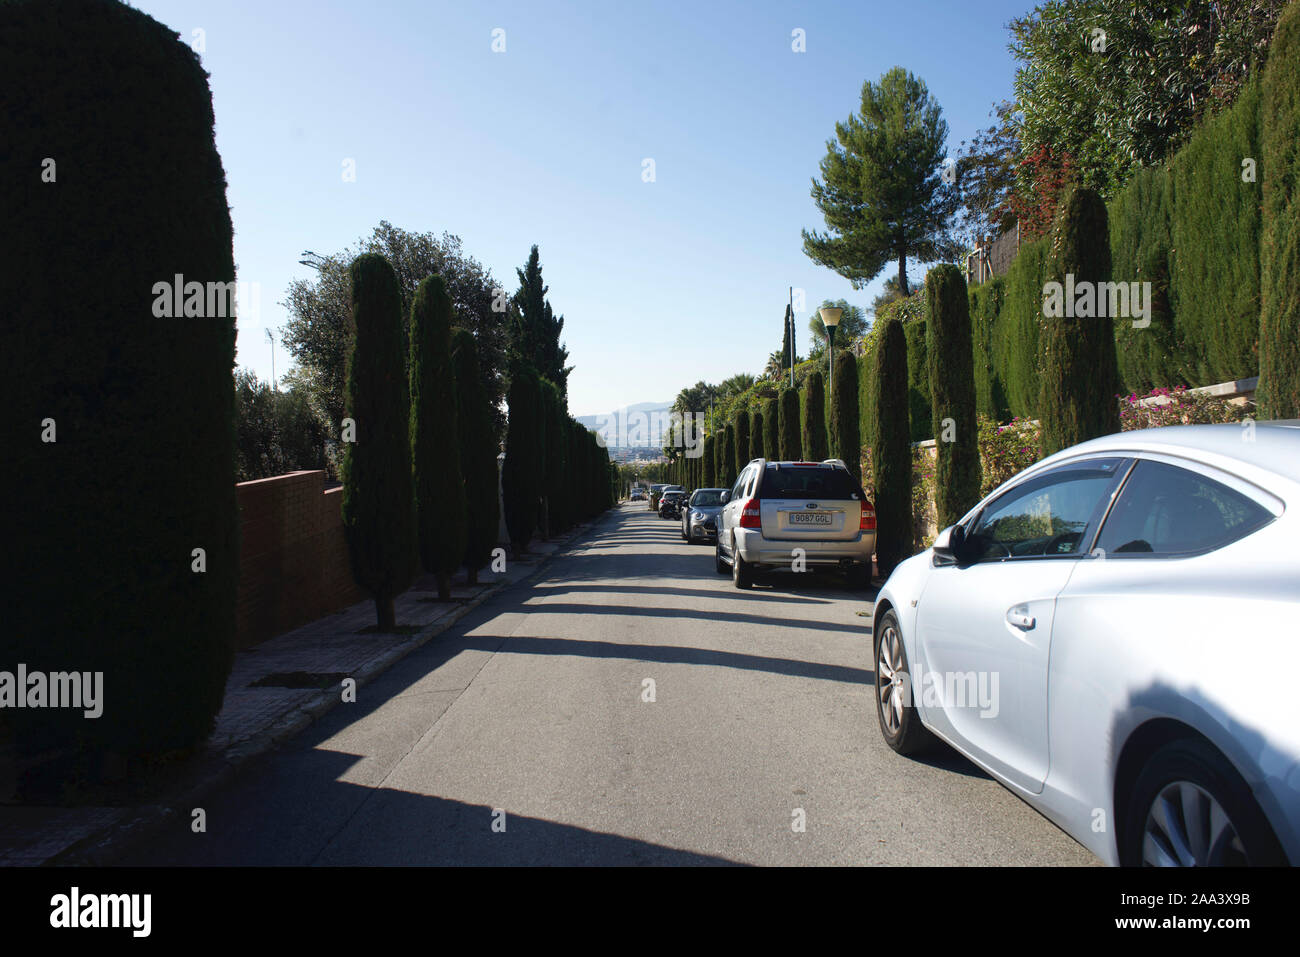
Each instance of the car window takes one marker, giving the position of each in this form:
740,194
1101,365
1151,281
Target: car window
809,481
1047,515
737,489
706,499
1167,510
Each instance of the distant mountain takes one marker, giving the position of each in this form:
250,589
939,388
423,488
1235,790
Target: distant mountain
636,426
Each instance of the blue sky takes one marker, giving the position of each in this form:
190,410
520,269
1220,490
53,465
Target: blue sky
661,283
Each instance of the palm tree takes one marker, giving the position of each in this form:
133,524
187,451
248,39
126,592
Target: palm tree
775,367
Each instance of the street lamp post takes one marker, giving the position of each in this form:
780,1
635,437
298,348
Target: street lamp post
830,319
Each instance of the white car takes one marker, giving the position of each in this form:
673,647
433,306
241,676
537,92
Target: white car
1114,634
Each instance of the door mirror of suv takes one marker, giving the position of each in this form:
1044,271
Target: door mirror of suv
726,496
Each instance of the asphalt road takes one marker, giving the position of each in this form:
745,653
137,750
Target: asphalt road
521,736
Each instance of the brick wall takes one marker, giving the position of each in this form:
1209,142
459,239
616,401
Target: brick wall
293,556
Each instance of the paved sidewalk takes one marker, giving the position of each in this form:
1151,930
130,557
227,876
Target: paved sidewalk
256,718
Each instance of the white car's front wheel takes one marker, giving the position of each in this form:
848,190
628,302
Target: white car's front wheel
899,723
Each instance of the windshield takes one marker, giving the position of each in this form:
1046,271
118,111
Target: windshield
707,499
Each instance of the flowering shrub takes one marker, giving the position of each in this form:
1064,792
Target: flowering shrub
1180,406
1005,450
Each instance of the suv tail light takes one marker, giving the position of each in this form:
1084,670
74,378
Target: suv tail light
868,522
751,514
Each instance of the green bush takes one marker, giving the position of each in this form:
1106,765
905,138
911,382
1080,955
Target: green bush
788,424
708,463
1016,334
756,434
1080,377
813,436
952,387
986,300
1279,373
891,450
437,479
478,453
524,464
378,507
740,430
846,440
140,469
728,457
919,410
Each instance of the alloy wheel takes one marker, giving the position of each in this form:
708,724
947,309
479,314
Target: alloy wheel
1187,827
890,676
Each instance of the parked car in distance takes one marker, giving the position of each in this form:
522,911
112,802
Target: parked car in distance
636,495
670,503
1130,604
700,515
778,514
655,492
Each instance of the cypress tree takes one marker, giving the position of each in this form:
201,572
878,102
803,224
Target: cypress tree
771,431
740,451
846,440
957,474
1080,372
756,434
378,506
1279,337
891,448
555,417
519,476
122,447
729,473
708,462
788,423
439,484
787,357
478,453
814,419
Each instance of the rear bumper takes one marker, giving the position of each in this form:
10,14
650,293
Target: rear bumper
760,552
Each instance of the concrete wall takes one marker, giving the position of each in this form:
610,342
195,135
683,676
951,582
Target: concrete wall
293,560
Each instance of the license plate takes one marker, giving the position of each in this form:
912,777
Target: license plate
810,518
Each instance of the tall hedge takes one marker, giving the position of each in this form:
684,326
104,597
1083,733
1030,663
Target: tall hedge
1141,247
756,426
708,463
740,452
1080,374
728,458
478,453
1215,231
846,440
788,423
520,480
919,409
378,504
891,448
120,441
952,389
1279,347
771,429
556,488
1016,338
813,436
438,482
986,301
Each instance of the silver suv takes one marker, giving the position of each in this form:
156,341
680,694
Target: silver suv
779,515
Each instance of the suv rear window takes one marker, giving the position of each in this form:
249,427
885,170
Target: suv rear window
809,481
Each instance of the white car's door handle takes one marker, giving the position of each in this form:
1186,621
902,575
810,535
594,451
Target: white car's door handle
1019,617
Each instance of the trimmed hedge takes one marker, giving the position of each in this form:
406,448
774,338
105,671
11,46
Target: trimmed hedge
1080,374
740,450
103,519
708,464
788,426
891,451
756,434
378,498
771,430
478,453
813,436
1279,375
951,369
845,436
437,479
